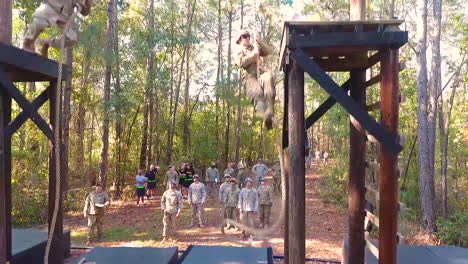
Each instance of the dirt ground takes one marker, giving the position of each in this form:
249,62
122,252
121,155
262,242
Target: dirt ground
131,226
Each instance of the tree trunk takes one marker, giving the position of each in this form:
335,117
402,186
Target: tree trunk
111,9
144,138
176,101
219,70
240,97
5,22
228,87
426,169
118,123
66,121
186,138
81,117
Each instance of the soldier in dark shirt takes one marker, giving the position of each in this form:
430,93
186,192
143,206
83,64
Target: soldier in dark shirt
151,187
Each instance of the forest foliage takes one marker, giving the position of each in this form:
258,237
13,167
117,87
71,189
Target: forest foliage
175,96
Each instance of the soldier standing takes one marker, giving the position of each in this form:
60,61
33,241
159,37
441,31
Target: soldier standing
230,202
229,170
212,177
248,205
260,85
171,205
54,13
259,169
141,181
277,177
172,176
241,173
265,199
151,175
94,210
197,198
222,192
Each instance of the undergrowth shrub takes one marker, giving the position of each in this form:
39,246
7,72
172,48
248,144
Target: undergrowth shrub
333,183
453,230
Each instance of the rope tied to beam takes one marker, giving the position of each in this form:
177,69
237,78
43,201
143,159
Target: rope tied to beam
57,139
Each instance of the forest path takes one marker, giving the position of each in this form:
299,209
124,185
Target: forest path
130,226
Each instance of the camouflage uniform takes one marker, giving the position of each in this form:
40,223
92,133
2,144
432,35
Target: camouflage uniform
248,205
172,177
260,86
259,169
171,203
94,209
212,177
230,202
277,178
222,194
229,171
197,198
265,200
55,13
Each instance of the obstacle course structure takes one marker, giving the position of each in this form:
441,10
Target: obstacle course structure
320,47
17,65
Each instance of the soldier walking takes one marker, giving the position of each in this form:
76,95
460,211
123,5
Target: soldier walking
151,176
229,170
197,198
94,210
260,85
265,200
171,205
212,177
230,202
241,174
248,205
141,181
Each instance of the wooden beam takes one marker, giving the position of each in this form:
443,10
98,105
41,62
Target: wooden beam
23,116
388,185
374,219
373,249
356,189
14,59
12,91
297,165
286,163
367,40
5,179
285,139
324,107
358,112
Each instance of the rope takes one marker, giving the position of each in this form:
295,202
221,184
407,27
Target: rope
58,94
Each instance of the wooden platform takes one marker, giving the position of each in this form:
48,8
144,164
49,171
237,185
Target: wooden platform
335,46
25,66
129,255
221,254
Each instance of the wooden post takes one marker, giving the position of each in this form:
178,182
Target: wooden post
297,167
56,250
5,179
286,165
357,169
388,185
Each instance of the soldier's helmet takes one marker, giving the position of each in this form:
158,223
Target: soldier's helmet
241,33
233,180
196,176
248,180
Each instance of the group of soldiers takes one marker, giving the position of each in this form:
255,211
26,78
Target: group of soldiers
241,201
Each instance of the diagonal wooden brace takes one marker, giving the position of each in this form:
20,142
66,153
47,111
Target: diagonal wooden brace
359,113
28,108
23,116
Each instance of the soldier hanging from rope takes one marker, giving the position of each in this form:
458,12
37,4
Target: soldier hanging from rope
259,81
55,13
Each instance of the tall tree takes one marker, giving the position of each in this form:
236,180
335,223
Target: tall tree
66,119
81,116
109,56
5,21
426,162
240,97
228,85
118,113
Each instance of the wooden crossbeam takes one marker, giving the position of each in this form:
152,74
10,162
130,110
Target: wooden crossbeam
373,249
13,91
359,113
324,107
23,116
374,219
373,40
